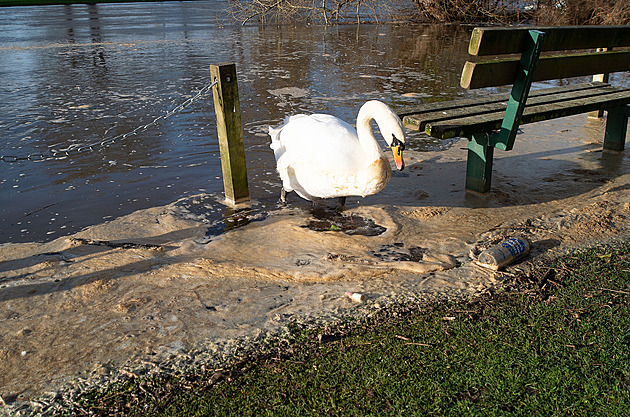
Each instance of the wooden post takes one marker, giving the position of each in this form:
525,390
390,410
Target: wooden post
228,111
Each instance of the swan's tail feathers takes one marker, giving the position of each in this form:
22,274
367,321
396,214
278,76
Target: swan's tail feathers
276,144
274,132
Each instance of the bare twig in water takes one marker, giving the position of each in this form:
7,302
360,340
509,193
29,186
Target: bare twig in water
324,11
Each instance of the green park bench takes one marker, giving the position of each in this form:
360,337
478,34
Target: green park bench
493,121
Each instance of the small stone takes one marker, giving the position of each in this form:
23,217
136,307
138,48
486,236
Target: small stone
24,332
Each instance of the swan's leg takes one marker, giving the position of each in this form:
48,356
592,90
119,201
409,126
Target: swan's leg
341,203
283,196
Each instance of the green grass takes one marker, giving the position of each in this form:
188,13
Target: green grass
557,344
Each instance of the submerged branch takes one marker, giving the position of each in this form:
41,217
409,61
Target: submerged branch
314,11
547,12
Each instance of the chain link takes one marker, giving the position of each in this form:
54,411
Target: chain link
76,148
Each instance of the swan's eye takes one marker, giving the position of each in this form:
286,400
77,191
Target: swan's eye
397,143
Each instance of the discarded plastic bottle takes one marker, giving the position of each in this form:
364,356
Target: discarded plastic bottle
503,254
355,296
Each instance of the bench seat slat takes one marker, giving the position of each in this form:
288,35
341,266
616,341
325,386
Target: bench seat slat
466,126
503,71
500,41
498,103
418,109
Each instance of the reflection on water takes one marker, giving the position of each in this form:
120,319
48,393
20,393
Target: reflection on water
75,74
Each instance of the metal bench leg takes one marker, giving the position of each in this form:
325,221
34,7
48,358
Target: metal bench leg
616,128
479,169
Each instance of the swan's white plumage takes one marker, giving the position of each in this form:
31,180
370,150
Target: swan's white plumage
321,156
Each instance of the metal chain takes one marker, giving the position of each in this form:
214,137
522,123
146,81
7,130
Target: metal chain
75,148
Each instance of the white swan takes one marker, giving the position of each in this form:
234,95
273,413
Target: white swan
321,156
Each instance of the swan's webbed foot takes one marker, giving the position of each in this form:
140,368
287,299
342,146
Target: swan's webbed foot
341,204
283,197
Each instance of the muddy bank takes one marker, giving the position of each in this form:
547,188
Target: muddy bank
164,281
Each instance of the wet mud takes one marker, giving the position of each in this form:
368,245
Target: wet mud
167,280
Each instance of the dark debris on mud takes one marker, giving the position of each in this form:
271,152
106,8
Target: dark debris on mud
332,221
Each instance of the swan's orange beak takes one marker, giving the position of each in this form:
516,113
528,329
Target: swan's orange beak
400,164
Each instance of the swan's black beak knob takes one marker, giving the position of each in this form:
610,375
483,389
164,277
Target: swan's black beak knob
398,147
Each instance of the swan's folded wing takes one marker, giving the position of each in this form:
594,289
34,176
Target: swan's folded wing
320,140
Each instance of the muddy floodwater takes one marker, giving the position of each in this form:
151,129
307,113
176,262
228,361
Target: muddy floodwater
76,75
123,260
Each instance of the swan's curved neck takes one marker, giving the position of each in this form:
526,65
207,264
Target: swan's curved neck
366,135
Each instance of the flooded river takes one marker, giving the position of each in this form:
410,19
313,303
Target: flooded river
77,74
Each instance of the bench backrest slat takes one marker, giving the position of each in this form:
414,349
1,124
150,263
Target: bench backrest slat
503,71
499,41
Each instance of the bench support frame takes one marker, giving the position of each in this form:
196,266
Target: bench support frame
479,164
616,128
481,146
